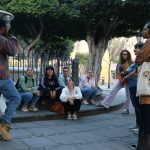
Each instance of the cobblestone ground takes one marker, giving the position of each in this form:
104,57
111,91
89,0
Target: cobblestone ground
107,131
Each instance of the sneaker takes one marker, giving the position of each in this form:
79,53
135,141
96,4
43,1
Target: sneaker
135,129
136,132
125,112
85,103
24,109
74,116
69,117
4,131
133,147
33,108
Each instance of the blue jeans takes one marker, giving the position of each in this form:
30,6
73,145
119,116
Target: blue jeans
9,91
135,103
89,93
26,97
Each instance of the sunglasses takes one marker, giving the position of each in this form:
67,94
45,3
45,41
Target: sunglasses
29,70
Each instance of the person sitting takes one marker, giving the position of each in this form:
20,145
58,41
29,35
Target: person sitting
71,97
62,79
88,89
28,90
49,87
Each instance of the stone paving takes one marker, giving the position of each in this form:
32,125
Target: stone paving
106,131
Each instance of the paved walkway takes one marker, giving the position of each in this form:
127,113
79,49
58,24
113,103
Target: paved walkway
106,131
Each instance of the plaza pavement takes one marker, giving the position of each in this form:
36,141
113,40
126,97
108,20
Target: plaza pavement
106,131
99,130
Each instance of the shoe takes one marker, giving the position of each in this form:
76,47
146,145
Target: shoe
92,102
103,107
125,112
33,108
136,132
24,109
69,117
135,129
74,116
133,147
85,103
4,131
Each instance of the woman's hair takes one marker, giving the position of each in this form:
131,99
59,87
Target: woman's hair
51,68
129,59
138,45
71,79
30,68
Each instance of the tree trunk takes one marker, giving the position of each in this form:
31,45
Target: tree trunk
38,36
96,53
109,75
98,36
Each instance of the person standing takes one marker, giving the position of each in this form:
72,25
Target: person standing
144,129
130,79
124,62
7,87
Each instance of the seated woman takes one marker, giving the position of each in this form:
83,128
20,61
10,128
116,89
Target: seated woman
49,87
71,98
88,89
28,91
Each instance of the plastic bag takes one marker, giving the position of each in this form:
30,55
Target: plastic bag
2,104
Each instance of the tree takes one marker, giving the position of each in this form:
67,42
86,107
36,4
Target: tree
38,24
114,47
96,21
83,60
101,20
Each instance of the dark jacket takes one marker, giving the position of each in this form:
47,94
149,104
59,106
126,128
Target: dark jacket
46,85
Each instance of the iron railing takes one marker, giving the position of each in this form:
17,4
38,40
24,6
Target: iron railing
19,64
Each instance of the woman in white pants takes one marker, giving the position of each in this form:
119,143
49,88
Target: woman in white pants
124,62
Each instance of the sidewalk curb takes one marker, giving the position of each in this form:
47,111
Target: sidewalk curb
55,116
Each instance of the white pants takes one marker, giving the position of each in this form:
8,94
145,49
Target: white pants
110,97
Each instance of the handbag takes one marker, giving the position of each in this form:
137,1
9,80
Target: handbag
143,82
58,107
2,104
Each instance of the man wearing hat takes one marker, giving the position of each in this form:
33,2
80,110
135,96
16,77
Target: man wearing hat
7,88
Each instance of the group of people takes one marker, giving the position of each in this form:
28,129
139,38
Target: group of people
127,75
27,92
64,89
53,89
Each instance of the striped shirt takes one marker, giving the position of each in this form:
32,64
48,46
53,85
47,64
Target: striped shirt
7,48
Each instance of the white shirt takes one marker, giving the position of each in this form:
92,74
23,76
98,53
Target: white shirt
66,93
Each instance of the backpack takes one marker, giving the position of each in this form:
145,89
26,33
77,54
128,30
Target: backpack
17,83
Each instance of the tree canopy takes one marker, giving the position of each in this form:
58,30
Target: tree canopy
95,21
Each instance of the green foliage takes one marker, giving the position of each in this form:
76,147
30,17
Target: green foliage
83,58
32,7
61,47
75,18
